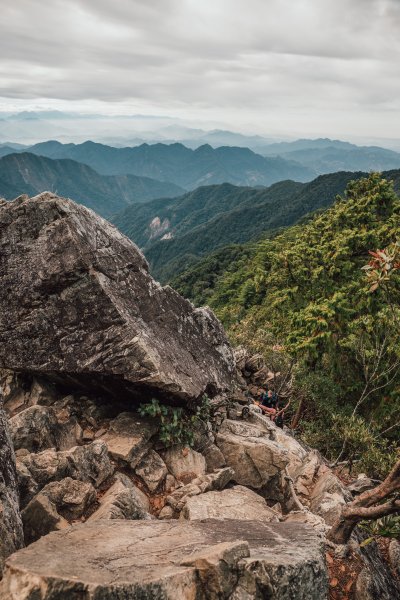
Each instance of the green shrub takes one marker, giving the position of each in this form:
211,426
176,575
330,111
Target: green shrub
178,425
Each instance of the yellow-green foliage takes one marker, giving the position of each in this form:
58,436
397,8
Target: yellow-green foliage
307,288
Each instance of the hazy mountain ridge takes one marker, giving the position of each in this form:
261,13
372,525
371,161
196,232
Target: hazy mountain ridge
25,173
327,156
181,165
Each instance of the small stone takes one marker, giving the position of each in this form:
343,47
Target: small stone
170,483
152,470
123,500
184,463
40,517
166,513
128,437
71,497
214,458
89,463
87,435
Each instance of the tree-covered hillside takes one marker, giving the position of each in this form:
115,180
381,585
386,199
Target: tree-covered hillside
305,290
25,173
176,233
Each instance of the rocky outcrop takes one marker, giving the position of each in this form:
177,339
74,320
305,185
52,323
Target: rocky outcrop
234,503
207,560
77,303
200,485
11,534
253,455
89,463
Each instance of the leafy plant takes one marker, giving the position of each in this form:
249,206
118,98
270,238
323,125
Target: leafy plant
388,526
178,425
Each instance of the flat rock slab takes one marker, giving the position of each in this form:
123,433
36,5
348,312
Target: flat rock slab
170,560
77,303
235,503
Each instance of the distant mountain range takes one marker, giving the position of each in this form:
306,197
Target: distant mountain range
222,159
329,156
175,233
178,164
25,173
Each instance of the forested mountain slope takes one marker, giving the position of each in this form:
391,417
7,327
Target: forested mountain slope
197,223
26,173
305,291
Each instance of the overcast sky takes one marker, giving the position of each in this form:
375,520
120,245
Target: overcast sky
291,67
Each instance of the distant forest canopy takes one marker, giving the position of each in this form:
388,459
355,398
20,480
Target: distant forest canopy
305,291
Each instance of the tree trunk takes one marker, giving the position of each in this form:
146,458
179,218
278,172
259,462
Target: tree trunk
297,417
342,529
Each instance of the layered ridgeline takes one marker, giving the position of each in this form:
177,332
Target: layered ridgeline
26,173
305,290
317,156
175,233
178,164
327,156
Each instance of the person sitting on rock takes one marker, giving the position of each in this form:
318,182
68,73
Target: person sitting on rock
268,404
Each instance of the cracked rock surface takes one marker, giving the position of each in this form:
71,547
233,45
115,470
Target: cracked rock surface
11,534
169,559
82,307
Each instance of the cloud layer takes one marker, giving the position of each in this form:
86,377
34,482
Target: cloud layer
318,66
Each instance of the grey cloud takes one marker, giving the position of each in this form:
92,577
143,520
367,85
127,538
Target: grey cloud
213,56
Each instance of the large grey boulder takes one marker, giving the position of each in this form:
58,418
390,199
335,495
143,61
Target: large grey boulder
77,303
171,560
11,534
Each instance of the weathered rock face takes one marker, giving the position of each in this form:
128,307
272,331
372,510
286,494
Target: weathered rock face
122,501
77,303
11,535
128,437
236,503
255,458
35,429
203,560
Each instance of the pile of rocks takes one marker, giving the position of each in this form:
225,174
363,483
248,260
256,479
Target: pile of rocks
106,509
